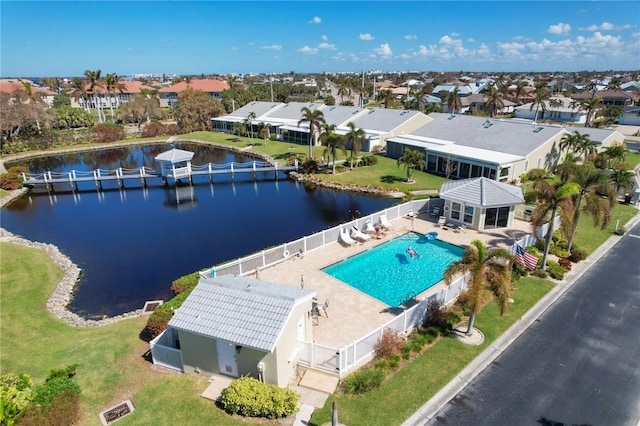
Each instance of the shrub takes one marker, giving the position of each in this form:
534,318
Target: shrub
565,263
432,333
64,409
418,341
153,129
540,244
369,160
172,129
16,394
561,253
389,344
555,270
310,166
436,314
250,397
576,256
394,362
10,181
539,273
108,132
363,381
406,350
160,317
185,283
18,169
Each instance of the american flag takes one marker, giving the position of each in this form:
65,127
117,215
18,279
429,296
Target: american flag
527,259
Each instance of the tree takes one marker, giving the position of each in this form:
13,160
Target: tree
550,200
579,144
591,183
614,155
194,110
412,160
489,274
454,103
79,92
248,121
332,141
493,101
622,179
343,90
263,130
540,101
112,84
33,101
141,107
355,136
315,118
520,85
557,104
94,79
590,105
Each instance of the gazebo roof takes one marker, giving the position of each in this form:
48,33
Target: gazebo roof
175,156
481,192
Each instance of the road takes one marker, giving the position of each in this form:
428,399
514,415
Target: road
578,364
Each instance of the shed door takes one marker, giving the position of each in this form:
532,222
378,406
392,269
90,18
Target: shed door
227,358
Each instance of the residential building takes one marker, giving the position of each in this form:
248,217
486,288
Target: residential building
559,108
169,95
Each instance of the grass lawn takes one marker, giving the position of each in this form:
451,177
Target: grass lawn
589,237
632,158
111,364
398,398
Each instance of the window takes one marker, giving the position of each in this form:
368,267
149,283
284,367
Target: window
526,166
539,162
432,163
468,214
476,171
465,169
455,211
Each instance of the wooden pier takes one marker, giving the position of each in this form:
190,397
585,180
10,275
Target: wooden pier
120,175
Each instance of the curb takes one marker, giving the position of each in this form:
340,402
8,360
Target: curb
427,411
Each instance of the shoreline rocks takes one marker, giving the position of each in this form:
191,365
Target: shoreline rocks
61,297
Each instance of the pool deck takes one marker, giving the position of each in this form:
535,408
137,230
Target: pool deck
351,313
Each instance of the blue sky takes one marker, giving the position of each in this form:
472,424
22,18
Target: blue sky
65,38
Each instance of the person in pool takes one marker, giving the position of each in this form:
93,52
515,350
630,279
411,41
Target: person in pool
413,253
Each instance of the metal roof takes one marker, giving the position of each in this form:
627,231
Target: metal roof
175,156
481,192
241,310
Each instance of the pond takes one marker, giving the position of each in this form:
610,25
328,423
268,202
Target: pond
132,243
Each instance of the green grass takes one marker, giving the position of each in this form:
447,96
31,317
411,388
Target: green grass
632,158
398,398
110,360
589,237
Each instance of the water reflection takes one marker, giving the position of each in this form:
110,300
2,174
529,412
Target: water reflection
132,242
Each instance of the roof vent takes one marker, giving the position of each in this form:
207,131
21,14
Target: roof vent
487,124
537,129
451,117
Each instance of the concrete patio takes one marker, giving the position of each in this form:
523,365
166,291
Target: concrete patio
352,314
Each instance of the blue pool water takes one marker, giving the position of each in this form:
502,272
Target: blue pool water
389,274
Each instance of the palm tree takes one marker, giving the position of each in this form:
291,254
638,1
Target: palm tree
112,84
412,160
590,105
343,90
249,123
454,103
35,102
622,179
520,85
540,101
586,147
95,82
591,183
557,104
569,142
614,154
315,118
551,199
79,91
493,101
489,274
579,144
332,141
263,130
355,136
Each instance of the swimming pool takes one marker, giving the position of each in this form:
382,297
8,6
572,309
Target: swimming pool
389,274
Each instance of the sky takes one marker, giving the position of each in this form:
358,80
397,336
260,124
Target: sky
65,38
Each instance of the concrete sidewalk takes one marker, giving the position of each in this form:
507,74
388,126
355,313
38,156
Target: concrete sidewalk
431,407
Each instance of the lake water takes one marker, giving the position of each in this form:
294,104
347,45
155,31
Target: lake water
132,243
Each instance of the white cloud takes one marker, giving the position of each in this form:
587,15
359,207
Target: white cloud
471,40
607,26
316,20
272,47
383,50
455,35
307,50
559,29
324,38
411,37
327,46
366,37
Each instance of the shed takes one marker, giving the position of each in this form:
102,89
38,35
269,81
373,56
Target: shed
239,326
480,203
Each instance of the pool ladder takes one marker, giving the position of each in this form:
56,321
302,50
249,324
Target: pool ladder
409,296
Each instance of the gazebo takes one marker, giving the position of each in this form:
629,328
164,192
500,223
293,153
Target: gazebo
175,164
480,203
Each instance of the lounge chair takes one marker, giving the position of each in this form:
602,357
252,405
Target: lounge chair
461,228
358,235
441,221
384,222
345,238
435,211
369,228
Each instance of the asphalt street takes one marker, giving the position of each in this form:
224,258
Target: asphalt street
577,364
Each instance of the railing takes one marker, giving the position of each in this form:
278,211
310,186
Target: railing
274,255
163,351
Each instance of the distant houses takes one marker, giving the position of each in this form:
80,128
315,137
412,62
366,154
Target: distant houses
214,88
